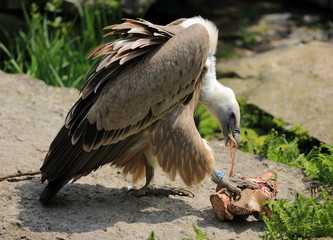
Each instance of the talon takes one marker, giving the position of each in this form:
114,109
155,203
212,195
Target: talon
181,192
137,192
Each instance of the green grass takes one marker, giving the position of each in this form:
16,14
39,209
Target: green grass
206,123
225,50
199,234
53,49
304,218
318,164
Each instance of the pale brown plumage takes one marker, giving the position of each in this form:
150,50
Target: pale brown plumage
137,107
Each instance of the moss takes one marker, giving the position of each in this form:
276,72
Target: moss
225,50
206,123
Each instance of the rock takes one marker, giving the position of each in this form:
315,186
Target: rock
31,113
98,206
293,83
306,34
285,29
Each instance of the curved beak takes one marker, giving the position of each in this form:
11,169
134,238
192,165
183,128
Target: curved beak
233,131
236,135
231,128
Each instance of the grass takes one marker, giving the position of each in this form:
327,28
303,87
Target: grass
199,234
318,164
304,218
206,123
53,49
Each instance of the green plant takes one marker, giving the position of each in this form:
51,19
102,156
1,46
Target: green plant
247,37
225,50
318,164
199,235
277,148
151,236
52,49
207,125
251,142
303,219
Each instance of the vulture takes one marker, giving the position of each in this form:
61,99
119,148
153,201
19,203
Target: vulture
136,109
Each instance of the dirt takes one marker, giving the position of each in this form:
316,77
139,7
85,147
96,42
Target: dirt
98,206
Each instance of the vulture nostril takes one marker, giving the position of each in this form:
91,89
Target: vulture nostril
236,131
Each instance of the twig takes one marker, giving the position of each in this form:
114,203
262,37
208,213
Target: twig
19,174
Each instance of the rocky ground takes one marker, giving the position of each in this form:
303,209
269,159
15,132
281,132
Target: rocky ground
97,206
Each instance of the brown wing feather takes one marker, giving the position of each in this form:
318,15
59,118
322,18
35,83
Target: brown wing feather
125,99
113,51
178,145
180,149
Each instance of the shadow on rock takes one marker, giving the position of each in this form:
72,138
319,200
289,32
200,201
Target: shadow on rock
238,225
83,208
80,208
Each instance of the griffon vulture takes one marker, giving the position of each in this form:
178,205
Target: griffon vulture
136,109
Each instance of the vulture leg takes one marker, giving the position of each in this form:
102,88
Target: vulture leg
232,184
147,189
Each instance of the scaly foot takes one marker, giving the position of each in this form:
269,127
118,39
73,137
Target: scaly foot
160,191
232,184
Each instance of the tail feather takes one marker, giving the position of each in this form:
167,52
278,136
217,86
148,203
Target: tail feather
66,161
51,190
